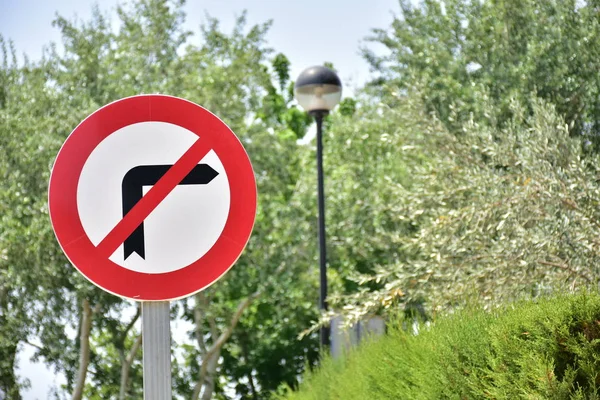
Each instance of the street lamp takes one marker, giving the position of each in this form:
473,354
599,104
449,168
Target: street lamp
318,90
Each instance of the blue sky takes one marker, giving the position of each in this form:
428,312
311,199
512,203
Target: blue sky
308,32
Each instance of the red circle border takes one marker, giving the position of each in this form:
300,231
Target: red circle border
109,276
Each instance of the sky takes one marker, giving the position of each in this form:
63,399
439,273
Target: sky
308,32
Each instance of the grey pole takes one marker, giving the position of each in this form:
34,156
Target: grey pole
156,340
325,329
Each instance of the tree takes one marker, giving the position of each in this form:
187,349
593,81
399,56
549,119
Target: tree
44,299
458,51
491,215
256,285
34,280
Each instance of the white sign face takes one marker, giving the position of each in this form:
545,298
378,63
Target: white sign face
182,228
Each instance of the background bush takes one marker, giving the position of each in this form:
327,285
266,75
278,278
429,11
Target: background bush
418,214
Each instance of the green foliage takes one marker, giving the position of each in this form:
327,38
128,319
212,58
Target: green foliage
347,107
458,181
416,213
40,103
277,108
546,349
458,51
281,65
34,284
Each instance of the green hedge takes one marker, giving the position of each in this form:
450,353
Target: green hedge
547,349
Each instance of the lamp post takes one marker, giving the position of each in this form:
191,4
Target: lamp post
318,90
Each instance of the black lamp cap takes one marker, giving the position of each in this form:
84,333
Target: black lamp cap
318,75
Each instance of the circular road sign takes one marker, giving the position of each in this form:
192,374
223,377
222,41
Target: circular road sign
152,197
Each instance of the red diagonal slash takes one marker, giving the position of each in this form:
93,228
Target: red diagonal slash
153,198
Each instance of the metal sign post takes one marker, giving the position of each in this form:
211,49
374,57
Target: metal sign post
156,340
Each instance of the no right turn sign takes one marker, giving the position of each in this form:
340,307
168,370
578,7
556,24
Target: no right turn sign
152,197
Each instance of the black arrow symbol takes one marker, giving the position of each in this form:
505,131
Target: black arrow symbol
132,191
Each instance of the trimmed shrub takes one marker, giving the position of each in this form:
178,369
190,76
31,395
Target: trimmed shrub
544,349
